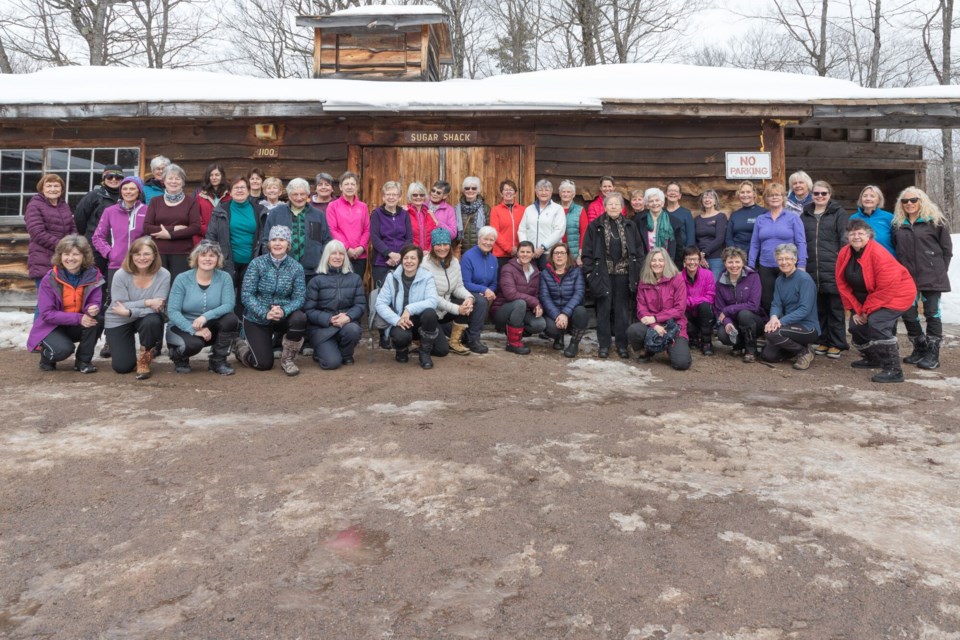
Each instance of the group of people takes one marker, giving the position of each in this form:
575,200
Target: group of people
250,266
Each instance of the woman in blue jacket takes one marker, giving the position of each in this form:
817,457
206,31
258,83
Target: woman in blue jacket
408,304
793,326
561,294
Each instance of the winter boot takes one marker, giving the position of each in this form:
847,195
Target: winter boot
931,357
868,357
181,363
219,352
241,349
749,345
457,332
144,358
515,341
46,364
558,343
919,349
403,355
427,338
574,347
105,351
289,355
384,339
889,356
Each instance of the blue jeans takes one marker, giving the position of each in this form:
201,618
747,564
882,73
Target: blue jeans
716,267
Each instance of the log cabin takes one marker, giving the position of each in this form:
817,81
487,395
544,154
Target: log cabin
376,107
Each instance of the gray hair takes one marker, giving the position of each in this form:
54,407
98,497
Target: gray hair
158,162
298,184
543,183
787,247
876,190
175,168
415,186
471,180
567,184
800,175
653,191
324,177
334,246
487,231
392,184
203,248
614,195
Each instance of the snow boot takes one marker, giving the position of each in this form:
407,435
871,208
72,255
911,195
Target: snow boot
931,357
515,341
574,347
219,352
288,356
889,356
427,338
919,349
457,331
144,358
868,357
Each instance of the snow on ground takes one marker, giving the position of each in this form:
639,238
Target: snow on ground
14,327
950,302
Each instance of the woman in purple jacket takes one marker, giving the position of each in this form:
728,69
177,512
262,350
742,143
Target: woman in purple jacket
390,231
775,227
737,305
48,219
701,290
120,225
661,306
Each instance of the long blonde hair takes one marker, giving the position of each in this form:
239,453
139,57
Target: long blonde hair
669,269
928,210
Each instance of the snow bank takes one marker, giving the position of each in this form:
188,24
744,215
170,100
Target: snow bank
14,327
950,302
389,9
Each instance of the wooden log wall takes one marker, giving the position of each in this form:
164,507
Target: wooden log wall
387,55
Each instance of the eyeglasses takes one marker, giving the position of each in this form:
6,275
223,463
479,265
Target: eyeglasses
821,193
470,188
209,244
909,200
439,192
561,252
418,195
113,176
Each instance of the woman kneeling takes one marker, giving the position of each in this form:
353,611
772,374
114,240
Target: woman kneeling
661,307
517,307
273,292
139,293
408,304
335,303
561,294
793,326
458,308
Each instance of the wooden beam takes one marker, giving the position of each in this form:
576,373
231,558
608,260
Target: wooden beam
771,139
424,49
317,53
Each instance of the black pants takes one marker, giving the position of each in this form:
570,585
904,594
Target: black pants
238,273
260,337
700,321
59,343
502,261
150,330
515,314
679,351
615,311
931,311
175,264
474,321
380,275
787,341
744,320
577,321
331,347
881,325
768,280
193,344
359,266
833,330
426,321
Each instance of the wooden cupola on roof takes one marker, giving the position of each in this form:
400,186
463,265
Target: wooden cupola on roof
385,42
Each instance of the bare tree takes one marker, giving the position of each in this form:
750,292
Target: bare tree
807,24
173,33
937,36
515,50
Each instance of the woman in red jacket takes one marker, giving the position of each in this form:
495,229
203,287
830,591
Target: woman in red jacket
661,307
517,306
877,290
505,218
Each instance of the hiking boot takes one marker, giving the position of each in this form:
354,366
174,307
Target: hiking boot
833,353
804,360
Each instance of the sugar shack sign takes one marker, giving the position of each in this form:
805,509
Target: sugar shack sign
749,165
440,137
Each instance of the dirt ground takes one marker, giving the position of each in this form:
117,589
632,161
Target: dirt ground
496,496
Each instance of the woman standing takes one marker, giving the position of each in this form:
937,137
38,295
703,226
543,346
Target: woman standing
661,303
740,225
572,212
200,309
473,213
442,211
701,292
272,189
922,241
173,220
801,184
255,179
273,293
139,293
711,231
825,223
120,225
153,186
597,206
323,195
505,218
543,223
408,304
774,227
870,210
349,220
68,303
308,226
422,221
611,252
209,195
517,306
793,326
48,220
562,291
657,229
456,308
737,305
334,305
681,219
877,290
237,224
390,231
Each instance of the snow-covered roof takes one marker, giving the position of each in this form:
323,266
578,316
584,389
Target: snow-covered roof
107,92
389,9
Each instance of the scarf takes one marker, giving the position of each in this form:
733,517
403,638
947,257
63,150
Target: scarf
617,255
475,209
664,231
174,197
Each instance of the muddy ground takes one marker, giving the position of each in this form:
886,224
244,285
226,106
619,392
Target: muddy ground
498,497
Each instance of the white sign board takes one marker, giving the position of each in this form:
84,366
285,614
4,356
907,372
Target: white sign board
749,165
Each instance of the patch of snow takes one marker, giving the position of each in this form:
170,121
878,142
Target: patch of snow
764,550
416,408
595,380
14,328
950,301
629,522
949,384
389,9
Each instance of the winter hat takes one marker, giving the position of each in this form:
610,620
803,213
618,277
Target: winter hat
112,168
439,236
281,232
135,180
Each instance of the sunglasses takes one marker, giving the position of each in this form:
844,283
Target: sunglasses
470,188
821,193
209,244
439,192
113,176
418,195
909,200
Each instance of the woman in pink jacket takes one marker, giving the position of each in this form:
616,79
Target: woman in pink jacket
661,306
120,225
701,290
349,222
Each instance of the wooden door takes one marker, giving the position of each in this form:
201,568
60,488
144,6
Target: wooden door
490,164
403,164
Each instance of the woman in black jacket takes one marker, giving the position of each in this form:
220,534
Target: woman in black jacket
825,224
335,303
921,238
612,252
